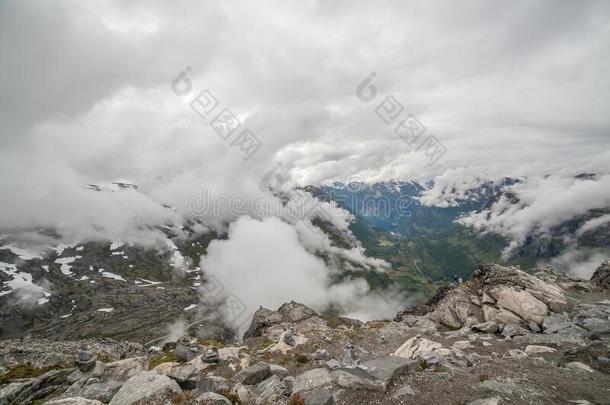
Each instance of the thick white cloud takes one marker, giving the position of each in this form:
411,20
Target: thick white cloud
267,262
516,89
263,263
543,202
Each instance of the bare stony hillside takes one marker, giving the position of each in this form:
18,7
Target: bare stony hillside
503,337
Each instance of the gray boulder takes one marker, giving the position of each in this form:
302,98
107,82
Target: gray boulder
253,374
429,359
485,327
520,302
512,329
93,389
187,349
278,370
318,396
187,374
40,387
148,388
95,372
389,367
212,383
269,391
356,378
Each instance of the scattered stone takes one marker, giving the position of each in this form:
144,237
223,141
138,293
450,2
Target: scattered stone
556,323
603,359
243,393
90,389
321,354
485,327
168,346
578,366
429,359
95,372
535,349
462,345
412,347
278,370
289,337
486,401
211,398
165,368
269,391
253,374
85,361
318,396
312,379
402,391
348,356
27,391
147,388
212,384
534,327
229,353
356,378
187,349
74,401
503,388
123,370
596,325
513,329
211,355
389,367
187,374
289,384
516,353
332,363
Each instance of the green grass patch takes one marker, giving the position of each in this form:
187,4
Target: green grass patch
26,371
165,357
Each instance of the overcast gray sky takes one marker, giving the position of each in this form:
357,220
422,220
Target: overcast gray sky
509,88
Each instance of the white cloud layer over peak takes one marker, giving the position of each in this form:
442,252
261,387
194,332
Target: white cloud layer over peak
513,89
543,202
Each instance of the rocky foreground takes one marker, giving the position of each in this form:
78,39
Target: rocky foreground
504,336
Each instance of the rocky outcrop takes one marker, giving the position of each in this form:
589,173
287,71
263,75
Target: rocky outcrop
601,276
286,315
550,331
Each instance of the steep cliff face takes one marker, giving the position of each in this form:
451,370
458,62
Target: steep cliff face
504,336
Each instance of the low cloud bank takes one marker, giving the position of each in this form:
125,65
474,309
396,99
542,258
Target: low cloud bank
265,263
535,205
